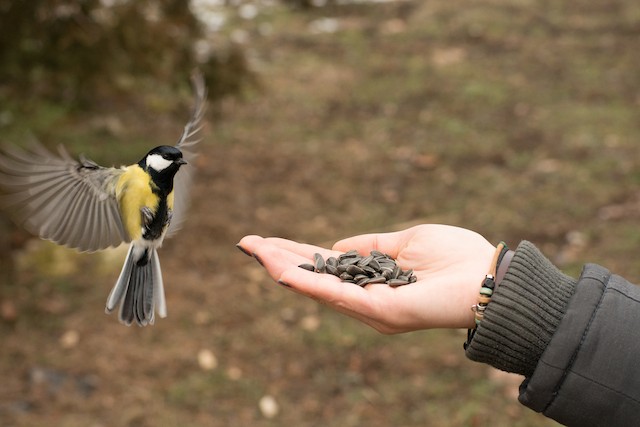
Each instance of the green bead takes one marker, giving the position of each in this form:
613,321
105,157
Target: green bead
486,291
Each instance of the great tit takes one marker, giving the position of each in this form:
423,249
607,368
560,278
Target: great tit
82,205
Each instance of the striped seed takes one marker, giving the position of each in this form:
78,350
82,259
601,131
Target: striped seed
352,253
377,279
346,276
397,282
365,261
354,269
332,270
363,281
349,261
374,264
319,263
351,267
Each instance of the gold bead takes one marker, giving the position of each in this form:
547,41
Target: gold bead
484,299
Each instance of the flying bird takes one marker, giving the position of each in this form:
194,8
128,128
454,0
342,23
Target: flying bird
82,205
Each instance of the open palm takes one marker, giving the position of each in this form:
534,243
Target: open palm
449,263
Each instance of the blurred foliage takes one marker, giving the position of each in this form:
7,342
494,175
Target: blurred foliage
74,51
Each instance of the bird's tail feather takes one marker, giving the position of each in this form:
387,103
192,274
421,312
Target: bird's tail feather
158,286
139,290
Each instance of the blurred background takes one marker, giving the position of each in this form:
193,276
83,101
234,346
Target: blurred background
518,119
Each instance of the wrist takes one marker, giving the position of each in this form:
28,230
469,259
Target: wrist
524,312
503,265
486,291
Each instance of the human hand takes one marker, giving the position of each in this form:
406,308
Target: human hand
449,263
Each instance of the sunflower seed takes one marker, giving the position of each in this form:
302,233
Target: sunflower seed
397,282
386,263
351,267
369,270
363,281
349,261
332,270
365,261
352,253
354,269
374,264
319,263
346,276
308,267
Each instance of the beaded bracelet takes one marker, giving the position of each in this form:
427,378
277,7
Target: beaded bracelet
486,292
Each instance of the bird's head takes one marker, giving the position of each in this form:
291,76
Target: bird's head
162,164
164,159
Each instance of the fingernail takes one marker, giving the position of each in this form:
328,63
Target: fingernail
283,283
258,259
243,250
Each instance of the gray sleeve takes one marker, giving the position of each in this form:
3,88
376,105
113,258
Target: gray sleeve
589,375
576,341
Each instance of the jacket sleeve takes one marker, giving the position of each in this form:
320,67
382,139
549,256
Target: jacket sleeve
581,354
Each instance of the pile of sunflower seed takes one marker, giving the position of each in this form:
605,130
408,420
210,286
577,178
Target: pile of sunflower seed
351,267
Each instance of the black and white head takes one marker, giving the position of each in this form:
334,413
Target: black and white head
162,163
162,160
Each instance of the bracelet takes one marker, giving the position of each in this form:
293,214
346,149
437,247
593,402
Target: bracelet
486,292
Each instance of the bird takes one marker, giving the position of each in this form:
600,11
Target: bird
82,205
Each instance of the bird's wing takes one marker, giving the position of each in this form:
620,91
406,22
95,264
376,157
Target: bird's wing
187,144
69,202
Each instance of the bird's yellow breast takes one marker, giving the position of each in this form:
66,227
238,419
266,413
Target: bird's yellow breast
134,192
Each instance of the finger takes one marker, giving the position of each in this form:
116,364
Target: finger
363,304
276,260
303,249
248,244
282,266
344,297
329,298
281,258
389,243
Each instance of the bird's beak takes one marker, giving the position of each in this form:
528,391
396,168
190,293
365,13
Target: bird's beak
181,162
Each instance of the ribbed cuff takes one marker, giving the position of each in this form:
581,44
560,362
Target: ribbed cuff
523,314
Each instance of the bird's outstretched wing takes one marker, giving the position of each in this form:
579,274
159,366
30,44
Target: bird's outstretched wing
187,144
69,202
